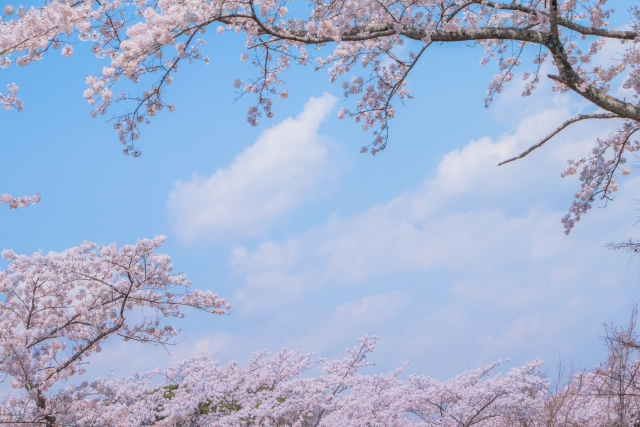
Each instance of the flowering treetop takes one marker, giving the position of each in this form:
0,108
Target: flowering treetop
59,308
273,391
278,391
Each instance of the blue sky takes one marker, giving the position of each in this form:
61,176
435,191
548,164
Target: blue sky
454,261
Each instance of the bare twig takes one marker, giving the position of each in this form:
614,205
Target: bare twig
558,130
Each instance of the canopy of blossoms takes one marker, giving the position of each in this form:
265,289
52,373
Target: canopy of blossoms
147,40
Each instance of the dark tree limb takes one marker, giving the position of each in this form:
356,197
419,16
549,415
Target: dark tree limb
558,130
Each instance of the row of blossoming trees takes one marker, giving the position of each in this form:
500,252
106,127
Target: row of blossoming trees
58,309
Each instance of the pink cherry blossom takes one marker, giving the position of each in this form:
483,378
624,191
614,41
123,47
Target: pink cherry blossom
19,202
59,308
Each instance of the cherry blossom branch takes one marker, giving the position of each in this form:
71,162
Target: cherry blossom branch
560,20
19,202
630,245
597,174
607,102
558,130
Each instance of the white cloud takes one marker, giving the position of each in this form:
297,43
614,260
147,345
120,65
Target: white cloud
267,181
462,215
373,308
469,266
476,256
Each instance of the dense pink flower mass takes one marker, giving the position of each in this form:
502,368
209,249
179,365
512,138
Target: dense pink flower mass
149,39
59,308
272,391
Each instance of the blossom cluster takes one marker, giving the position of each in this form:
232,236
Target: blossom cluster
19,202
598,171
59,308
10,100
273,391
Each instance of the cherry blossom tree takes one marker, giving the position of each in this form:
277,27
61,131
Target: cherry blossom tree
58,309
146,40
272,391
607,395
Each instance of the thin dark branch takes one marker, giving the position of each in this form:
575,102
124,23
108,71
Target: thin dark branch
558,130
